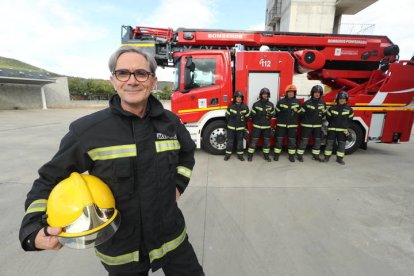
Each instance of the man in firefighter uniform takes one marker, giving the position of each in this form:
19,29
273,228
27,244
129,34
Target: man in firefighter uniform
262,113
145,155
236,115
338,117
312,115
287,110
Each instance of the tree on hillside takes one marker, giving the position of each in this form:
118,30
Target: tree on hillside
164,93
90,89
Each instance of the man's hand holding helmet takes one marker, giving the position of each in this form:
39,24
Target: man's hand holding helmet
47,238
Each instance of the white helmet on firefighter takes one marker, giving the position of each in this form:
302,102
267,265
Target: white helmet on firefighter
84,207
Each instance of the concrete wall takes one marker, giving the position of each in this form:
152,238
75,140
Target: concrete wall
20,96
57,94
24,96
316,16
28,96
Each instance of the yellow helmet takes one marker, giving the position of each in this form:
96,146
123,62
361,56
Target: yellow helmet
84,207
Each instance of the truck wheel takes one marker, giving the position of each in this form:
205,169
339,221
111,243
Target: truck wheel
214,137
356,139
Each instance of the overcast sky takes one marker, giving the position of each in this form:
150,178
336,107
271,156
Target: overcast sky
74,37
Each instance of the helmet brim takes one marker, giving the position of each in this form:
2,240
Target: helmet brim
89,240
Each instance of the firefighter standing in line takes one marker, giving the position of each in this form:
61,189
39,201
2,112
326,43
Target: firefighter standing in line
236,115
145,155
262,113
287,111
338,117
312,115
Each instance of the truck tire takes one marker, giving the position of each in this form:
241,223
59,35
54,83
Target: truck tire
214,137
356,140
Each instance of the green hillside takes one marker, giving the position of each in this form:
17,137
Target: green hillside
9,63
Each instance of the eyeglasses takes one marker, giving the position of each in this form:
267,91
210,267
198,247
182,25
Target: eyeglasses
140,75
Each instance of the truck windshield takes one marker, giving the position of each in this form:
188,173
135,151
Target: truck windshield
205,72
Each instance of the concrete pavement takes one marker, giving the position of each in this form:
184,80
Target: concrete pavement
243,218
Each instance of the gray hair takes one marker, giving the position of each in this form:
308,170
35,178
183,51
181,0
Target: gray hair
129,49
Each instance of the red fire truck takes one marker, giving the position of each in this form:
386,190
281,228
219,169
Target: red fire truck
211,64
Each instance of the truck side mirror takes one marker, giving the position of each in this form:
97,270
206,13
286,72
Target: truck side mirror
189,73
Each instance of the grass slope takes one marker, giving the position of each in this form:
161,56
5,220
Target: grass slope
9,63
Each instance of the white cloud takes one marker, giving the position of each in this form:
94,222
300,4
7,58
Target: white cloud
187,14
165,74
57,37
177,13
257,27
48,34
391,18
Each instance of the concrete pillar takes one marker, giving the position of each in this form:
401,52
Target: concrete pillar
57,94
42,92
337,24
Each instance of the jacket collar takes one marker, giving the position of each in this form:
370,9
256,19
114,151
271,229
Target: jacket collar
155,112
154,107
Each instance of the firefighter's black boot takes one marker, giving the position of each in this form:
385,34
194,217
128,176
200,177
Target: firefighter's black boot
340,160
316,157
291,158
250,157
276,157
240,157
226,157
300,157
266,157
326,159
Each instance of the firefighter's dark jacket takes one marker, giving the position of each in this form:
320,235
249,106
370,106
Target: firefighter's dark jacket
262,113
159,157
287,112
339,117
236,116
312,113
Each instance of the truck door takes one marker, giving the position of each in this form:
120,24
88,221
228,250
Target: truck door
259,80
255,70
203,81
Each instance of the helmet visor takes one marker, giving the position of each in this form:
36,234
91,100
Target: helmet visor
92,239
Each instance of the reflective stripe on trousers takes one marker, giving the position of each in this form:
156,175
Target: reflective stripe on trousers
306,132
134,256
332,137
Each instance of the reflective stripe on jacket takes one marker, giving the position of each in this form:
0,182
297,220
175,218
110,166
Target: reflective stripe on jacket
236,116
262,113
339,116
287,110
312,113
